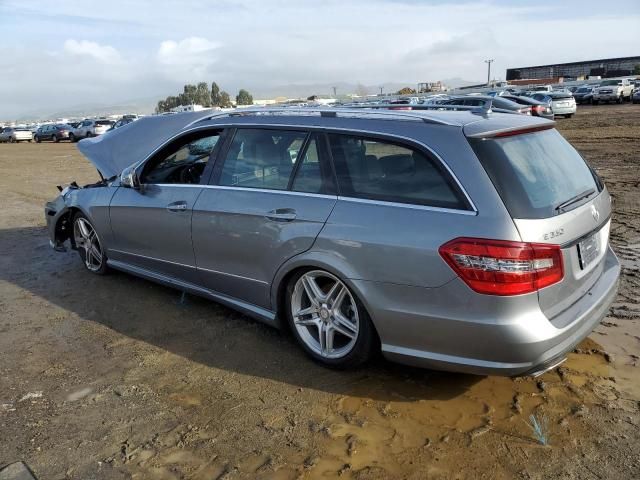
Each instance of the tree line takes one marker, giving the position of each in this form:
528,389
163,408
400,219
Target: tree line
201,94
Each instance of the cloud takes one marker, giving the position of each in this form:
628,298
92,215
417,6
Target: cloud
97,54
192,50
102,53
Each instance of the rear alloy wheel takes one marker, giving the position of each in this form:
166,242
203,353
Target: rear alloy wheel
72,138
88,245
55,139
328,321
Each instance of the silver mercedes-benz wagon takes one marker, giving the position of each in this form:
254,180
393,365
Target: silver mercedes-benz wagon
458,240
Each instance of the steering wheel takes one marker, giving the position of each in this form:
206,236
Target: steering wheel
190,174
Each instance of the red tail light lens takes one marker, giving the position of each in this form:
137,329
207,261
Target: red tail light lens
498,267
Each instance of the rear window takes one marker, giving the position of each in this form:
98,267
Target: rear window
535,172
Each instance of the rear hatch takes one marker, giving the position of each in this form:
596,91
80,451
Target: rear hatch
554,197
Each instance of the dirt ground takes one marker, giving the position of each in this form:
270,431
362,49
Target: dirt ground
115,377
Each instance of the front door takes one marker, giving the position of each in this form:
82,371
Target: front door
273,193
152,225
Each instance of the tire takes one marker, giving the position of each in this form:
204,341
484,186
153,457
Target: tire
595,102
569,116
619,100
55,139
332,309
37,139
12,140
72,138
89,246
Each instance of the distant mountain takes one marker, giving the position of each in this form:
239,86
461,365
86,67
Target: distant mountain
141,106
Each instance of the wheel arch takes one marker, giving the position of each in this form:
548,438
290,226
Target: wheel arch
63,226
309,261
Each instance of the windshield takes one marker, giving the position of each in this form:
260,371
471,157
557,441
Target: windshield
104,122
535,172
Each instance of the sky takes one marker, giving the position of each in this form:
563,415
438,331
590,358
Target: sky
63,53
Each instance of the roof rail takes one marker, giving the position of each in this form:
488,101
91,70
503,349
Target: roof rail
346,112
481,110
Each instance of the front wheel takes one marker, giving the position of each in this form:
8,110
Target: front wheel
595,102
328,321
88,244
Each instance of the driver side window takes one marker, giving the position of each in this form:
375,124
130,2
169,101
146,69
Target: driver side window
182,163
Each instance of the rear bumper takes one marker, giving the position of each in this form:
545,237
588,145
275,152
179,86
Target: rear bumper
569,110
452,328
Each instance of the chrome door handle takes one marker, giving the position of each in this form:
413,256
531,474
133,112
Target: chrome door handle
177,206
282,215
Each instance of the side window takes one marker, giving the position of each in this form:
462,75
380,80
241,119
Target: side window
309,175
260,158
381,170
181,163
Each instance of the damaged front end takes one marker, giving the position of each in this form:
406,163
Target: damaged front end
59,213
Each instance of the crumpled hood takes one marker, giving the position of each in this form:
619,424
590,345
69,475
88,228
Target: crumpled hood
114,151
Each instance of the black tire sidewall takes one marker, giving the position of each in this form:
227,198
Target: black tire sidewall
366,344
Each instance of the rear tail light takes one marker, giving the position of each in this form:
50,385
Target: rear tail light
498,267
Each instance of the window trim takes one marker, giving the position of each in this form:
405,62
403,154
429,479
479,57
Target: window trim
227,125
448,176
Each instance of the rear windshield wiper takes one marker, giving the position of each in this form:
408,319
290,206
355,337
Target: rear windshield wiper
577,198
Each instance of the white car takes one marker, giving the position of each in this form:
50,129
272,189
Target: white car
90,128
613,91
16,134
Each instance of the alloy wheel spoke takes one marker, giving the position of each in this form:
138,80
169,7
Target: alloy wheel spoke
339,298
345,324
306,311
96,253
307,322
84,230
312,289
325,337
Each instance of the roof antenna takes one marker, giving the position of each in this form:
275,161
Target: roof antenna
486,108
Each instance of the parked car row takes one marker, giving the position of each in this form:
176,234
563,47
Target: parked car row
71,131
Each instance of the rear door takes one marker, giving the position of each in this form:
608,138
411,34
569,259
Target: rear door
271,194
554,197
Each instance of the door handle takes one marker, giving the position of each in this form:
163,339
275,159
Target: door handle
282,214
177,206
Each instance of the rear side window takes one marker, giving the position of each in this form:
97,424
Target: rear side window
535,173
380,170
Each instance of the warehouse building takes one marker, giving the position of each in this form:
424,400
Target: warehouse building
607,67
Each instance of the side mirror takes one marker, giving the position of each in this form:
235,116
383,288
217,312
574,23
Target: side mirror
129,178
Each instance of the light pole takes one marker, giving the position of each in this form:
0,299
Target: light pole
381,88
489,62
334,91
